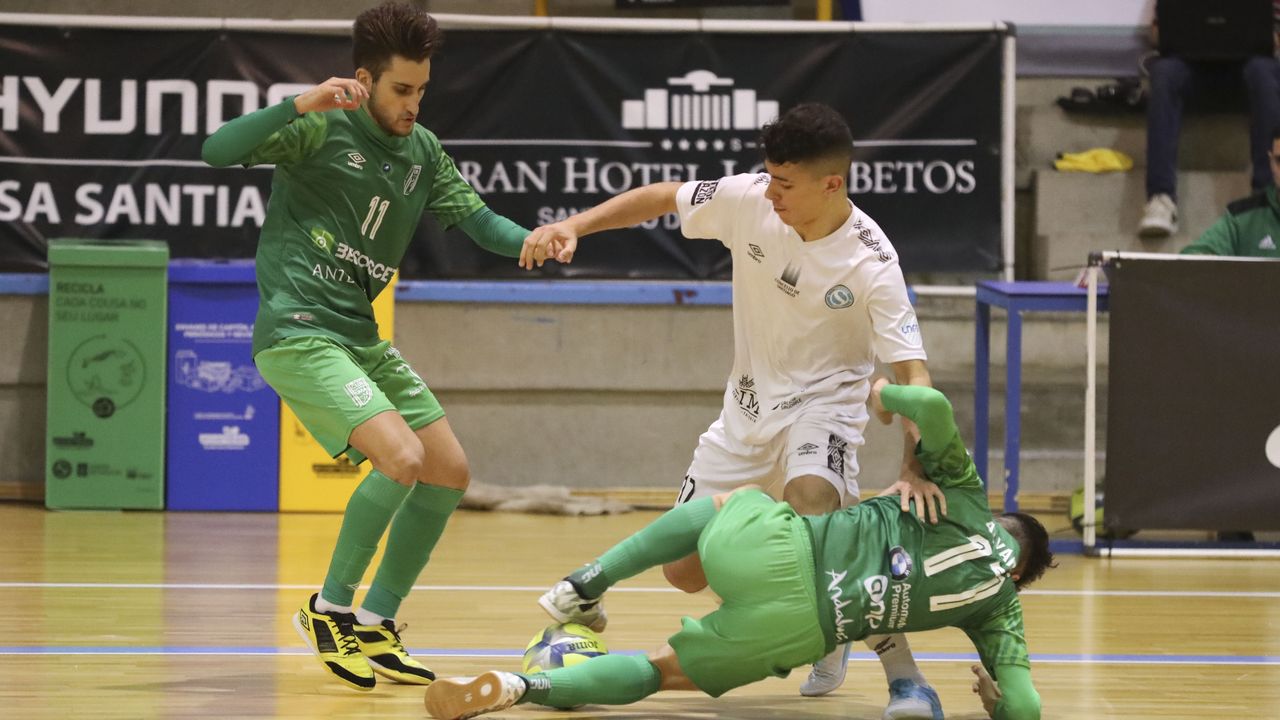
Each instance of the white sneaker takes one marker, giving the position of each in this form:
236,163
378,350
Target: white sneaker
1159,218
827,674
461,698
563,603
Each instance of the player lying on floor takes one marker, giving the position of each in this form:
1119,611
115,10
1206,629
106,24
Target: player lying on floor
794,587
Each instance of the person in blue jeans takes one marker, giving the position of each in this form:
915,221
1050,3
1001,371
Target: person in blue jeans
1174,81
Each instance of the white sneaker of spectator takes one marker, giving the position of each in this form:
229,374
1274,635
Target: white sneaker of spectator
1159,218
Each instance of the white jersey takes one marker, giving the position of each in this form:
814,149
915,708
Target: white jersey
809,318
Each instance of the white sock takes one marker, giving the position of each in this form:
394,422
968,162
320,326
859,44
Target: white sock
364,617
325,606
895,657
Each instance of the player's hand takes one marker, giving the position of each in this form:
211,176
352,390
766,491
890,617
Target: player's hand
332,94
876,404
985,688
557,241
929,499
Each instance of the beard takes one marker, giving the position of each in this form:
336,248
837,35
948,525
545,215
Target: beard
386,121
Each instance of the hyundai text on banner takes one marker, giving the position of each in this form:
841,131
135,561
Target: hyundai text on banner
542,123
1193,418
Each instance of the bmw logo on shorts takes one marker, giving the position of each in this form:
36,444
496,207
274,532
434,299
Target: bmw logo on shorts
839,297
899,563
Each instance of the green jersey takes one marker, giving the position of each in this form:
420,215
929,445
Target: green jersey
346,198
1251,228
886,571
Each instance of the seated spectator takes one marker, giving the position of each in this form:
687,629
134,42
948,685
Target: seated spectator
1251,226
1175,80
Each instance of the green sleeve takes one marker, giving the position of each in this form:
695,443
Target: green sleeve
494,232
1219,239
1018,697
275,134
941,451
1002,647
452,200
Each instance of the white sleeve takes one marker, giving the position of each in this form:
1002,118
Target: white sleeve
895,329
709,208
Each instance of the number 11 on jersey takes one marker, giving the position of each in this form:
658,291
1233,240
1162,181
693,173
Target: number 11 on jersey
377,206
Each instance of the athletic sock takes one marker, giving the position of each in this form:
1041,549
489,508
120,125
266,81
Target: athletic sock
602,680
414,534
368,513
672,536
895,657
364,617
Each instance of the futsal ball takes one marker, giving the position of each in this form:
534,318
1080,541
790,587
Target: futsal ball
557,646
1077,517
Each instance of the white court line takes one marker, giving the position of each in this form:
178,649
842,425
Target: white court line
1246,594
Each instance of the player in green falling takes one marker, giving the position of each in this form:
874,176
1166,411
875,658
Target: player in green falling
794,587
354,174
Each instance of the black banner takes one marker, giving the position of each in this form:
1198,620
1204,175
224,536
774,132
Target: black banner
1193,421
543,123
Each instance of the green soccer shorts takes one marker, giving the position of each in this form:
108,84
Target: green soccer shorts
333,388
757,556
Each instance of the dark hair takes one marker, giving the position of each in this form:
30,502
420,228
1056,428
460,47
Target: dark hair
812,131
393,28
1275,134
1035,556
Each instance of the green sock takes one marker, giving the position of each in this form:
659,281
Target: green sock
413,536
672,536
603,680
368,512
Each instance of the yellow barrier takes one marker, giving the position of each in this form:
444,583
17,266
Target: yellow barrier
310,480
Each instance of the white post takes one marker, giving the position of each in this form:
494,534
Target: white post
1090,407
1007,122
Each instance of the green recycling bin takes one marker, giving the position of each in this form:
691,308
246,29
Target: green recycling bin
105,439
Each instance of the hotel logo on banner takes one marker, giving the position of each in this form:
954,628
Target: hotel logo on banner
698,101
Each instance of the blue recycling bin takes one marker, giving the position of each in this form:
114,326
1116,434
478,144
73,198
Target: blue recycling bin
223,422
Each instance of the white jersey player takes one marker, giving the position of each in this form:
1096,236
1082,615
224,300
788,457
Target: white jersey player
818,297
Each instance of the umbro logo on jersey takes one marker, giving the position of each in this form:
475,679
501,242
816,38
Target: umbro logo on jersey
755,253
1267,244
807,449
411,180
355,160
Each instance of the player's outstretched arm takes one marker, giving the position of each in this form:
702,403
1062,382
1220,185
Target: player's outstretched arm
559,241
234,142
493,232
1013,697
928,408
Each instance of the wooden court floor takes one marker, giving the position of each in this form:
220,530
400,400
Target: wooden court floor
177,615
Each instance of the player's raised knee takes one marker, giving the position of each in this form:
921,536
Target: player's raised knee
685,577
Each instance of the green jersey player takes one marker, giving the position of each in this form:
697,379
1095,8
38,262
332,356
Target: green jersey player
354,172
796,586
